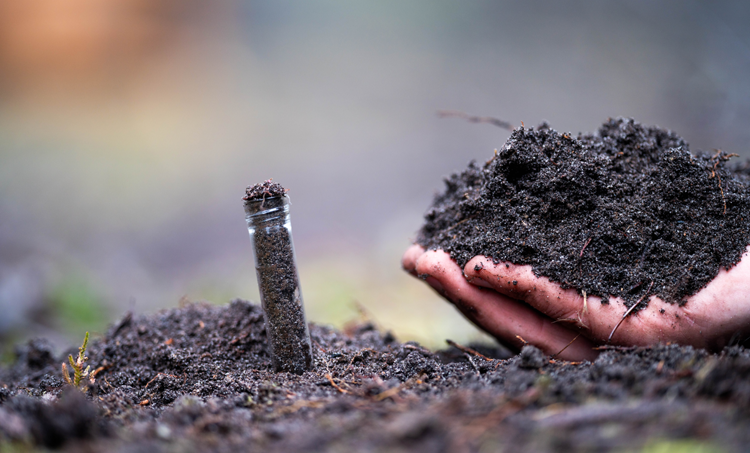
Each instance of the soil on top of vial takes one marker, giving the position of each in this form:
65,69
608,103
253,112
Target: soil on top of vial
266,189
626,212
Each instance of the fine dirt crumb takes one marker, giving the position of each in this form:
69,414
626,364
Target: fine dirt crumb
198,378
264,190
611,214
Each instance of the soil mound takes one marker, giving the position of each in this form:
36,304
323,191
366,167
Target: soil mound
612,214
198,378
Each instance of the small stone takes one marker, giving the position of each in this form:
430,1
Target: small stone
163,431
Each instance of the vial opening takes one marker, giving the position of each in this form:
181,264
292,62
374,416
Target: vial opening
261,212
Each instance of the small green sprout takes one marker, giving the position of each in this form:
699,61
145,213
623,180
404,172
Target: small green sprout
78,372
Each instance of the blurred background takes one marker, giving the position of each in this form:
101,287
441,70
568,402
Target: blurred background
130,128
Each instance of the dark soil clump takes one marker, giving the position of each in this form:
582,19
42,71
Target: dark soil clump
198,378
611,214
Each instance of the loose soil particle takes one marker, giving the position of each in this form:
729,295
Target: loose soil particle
198,378
611,214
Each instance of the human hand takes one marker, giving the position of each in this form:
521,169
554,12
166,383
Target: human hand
511,303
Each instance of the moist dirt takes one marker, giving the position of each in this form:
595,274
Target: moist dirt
627,212
198,378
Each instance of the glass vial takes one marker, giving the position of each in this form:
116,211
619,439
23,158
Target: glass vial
271,235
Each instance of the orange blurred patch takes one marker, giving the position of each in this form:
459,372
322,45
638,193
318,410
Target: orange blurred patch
75,44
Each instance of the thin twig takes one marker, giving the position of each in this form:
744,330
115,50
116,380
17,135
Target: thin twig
585,303
160,374
475,119
585,245
566,346
718,176
457,224
100,369
467,350
391,392
322,349
336,386
416,348
632,307
719,158
580,256
473,365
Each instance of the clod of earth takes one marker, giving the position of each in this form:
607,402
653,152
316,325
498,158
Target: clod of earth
626,212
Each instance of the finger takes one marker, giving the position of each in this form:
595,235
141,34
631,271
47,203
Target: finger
409,260
499,315
721,310
584,313
708,320
519,282
658,322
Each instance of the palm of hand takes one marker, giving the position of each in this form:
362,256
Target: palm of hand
512,304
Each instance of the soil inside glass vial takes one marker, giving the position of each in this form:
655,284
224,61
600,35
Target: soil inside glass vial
267,206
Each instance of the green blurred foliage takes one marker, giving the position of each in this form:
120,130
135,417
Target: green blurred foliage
681,446
17,447
7,357
76,306
330,298
344,289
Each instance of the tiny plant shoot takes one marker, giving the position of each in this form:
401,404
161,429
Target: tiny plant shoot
77,365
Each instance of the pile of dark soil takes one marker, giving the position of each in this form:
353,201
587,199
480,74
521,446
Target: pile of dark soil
198,378
612,214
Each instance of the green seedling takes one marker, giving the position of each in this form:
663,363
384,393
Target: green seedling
79,373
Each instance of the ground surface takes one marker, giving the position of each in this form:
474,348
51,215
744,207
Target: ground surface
197,378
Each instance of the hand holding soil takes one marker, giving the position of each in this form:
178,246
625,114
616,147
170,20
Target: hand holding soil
622,237
512,304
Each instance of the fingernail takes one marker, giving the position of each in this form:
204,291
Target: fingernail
435,283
